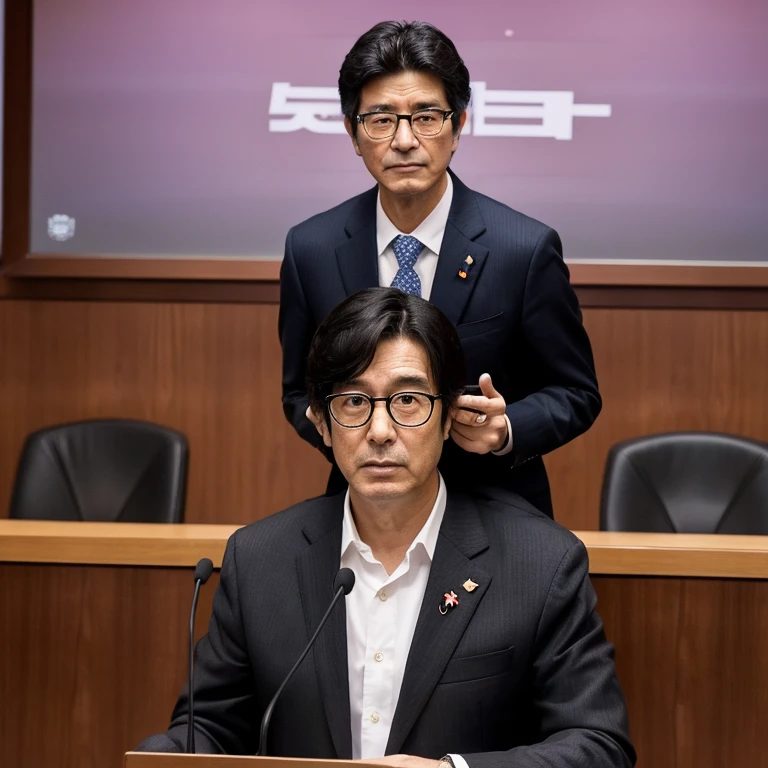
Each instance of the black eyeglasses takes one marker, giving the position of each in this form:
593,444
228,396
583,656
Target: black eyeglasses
408,409
423,122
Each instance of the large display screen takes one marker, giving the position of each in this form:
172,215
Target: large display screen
199,128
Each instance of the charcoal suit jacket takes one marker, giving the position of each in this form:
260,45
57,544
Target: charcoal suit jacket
517,316
518,674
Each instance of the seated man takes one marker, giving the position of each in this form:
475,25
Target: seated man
471,633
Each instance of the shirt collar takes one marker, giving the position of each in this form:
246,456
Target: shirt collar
429,233
427,536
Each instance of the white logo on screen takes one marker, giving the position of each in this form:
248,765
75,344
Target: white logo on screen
513,114
61,227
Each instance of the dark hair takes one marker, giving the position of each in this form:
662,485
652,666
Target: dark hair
345,343
398,46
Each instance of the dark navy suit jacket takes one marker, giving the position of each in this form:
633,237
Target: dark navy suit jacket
519,673
516,313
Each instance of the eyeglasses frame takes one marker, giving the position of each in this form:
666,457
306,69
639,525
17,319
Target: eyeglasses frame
446,113
388,401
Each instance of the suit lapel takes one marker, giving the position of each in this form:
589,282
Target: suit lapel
357,257
317,566
451,292
462,537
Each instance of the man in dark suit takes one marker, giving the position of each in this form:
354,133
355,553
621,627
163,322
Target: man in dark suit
497,274
470,635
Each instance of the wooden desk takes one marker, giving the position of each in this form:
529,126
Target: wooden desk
93,622
625,554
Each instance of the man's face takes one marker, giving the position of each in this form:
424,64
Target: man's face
405,164
382,461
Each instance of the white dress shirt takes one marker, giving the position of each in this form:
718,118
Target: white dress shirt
430,234
382,611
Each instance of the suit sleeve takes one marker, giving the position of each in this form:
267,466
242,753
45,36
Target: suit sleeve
566,401
226,720
578,705
296,329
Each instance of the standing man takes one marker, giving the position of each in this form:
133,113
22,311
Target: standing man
497,274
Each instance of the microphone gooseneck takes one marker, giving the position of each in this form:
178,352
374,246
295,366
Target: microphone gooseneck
203,571
342,586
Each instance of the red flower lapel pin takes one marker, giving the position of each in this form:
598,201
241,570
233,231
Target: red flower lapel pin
450,600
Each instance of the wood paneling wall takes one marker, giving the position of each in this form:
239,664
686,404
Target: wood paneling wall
209,370
213,371
662,370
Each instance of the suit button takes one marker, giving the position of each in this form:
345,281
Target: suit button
374,717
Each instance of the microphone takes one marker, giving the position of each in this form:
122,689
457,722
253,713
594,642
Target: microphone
342,585
203,571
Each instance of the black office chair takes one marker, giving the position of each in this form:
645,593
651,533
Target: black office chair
111,470
686,482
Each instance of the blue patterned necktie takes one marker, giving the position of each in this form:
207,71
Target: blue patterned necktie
407,249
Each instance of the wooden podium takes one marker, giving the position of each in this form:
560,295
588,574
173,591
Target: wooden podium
674,604
165,760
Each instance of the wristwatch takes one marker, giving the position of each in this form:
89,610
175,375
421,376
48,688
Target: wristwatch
447,760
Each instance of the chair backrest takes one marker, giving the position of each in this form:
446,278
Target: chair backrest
686,482
110,470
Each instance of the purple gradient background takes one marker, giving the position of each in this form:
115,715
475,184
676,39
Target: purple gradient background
150,122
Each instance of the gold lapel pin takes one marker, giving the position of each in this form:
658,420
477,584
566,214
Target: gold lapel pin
450,600
464,270
470,585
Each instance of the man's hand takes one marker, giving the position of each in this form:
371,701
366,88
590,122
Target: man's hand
403,761
483,432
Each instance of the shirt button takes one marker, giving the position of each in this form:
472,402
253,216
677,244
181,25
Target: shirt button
382,596
374,717
378,656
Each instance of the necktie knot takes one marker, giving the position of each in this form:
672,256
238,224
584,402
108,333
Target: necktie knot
407,249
